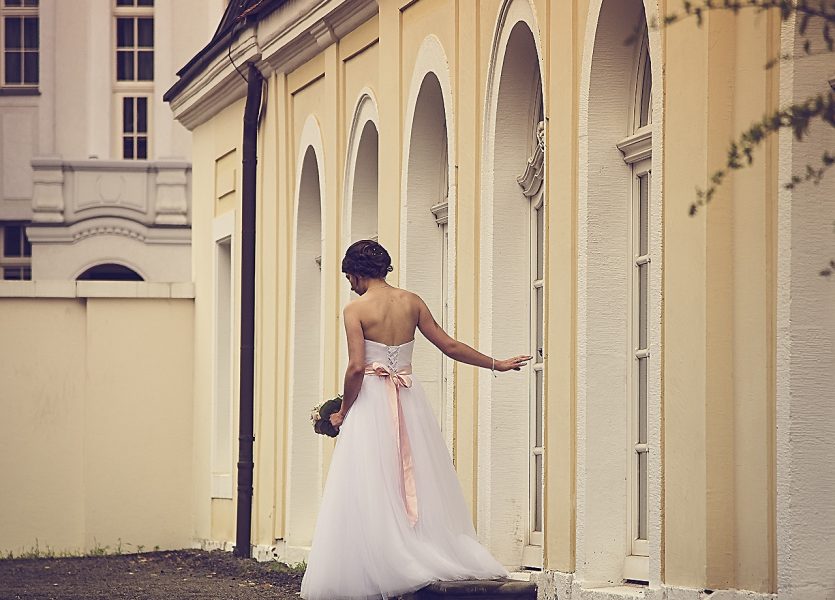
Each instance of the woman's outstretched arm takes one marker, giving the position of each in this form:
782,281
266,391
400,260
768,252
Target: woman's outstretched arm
459,350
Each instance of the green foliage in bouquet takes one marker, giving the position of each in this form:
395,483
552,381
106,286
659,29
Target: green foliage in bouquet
320,416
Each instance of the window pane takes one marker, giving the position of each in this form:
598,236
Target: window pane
540,318
127,115
643,214
537,519
642,305
642,401
27,246
11,274
30,33
13,34
13,3
141,115
30,2
539,408
142,147
124,65
642,496
13,67
12,240
146,66
124,2
145,33
646,95
30,67
145,2
127,147
124,33
540,241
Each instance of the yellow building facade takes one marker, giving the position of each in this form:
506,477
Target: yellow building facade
529,165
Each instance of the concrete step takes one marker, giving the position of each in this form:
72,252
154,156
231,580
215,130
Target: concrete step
494,589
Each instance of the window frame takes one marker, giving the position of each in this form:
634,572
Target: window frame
637,151
14,262
119,129
223,332
130,88
532,183
19,12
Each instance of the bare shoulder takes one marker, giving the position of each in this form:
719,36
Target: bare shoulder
353,307
413,299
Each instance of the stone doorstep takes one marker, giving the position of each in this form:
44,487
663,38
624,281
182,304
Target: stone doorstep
499,589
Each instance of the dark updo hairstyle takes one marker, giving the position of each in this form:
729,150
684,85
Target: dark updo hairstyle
366,258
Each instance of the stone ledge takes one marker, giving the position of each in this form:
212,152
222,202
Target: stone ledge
499,589
96,289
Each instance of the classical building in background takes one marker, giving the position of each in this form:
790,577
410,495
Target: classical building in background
94,173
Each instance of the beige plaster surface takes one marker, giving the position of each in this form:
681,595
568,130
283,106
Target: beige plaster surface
96,428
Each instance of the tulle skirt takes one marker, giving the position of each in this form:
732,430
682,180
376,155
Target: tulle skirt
363,544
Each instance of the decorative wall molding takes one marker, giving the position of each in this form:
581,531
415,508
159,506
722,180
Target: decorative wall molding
441,212
531,180
147,192
637,147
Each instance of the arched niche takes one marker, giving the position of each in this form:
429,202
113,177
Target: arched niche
618,207
510,480
360,214
425,241
109,272
427,235
361,179
305,449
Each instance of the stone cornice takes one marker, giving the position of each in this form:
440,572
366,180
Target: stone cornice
217,86
281,41
61,234
637,147
441,212
93,164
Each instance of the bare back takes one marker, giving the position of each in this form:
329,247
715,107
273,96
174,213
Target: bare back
388,315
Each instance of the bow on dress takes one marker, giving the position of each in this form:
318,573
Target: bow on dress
396,379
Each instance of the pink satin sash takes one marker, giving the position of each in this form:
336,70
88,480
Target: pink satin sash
394,381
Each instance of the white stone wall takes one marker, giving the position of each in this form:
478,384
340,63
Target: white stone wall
806,344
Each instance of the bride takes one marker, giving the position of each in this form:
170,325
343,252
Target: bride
392,518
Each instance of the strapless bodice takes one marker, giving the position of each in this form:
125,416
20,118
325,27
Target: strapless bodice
395,358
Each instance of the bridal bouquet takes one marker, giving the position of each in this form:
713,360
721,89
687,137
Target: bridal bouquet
320,416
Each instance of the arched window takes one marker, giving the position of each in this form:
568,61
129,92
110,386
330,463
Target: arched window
637,153
531,182
512,296
110,272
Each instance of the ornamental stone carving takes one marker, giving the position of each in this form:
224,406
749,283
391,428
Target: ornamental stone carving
531,180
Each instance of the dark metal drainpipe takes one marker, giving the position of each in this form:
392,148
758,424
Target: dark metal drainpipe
246,437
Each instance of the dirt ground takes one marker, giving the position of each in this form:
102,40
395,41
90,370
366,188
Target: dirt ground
180,575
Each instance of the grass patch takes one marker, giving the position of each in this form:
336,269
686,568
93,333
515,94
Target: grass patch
37,551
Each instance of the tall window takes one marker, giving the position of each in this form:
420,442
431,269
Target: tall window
16,259
134,75
440,211
531,182
637,151
21,42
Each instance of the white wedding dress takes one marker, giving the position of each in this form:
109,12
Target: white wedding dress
392,517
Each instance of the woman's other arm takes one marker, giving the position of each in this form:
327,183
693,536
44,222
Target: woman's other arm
355,372
459,350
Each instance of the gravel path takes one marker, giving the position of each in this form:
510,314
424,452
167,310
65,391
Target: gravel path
180,575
